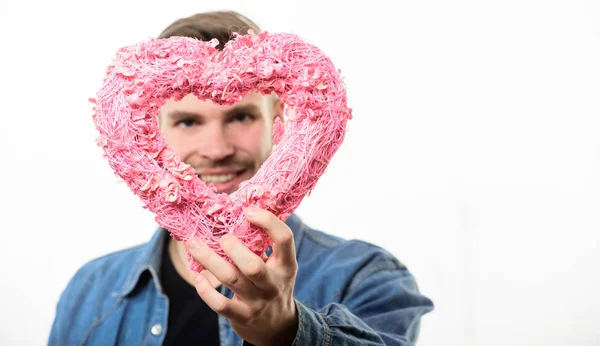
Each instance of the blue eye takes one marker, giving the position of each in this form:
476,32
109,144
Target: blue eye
186,122
242,117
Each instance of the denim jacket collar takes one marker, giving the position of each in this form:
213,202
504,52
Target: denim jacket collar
151,257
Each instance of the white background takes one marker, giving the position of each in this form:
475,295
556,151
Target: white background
474,155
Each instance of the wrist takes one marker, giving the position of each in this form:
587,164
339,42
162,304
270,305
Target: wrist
286,334
289,333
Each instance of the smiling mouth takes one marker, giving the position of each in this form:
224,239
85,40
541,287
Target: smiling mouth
219,178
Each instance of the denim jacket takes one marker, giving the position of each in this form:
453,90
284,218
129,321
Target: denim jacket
346,293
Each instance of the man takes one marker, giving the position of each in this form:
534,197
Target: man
313,289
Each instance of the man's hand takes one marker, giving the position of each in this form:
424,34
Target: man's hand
262,310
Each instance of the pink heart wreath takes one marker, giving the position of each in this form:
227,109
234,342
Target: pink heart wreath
142,77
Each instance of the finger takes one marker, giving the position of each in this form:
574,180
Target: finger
211,278
231,309
282,236
251,266
224,271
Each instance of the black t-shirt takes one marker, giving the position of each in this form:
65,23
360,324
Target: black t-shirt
191,321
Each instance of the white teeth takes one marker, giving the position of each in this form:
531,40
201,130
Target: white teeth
219,178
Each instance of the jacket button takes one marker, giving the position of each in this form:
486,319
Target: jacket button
156,329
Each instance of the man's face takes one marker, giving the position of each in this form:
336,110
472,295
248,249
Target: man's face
224,144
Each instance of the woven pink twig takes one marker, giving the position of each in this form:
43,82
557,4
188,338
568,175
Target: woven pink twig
142,77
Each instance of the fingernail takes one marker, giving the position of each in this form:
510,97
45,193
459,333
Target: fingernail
199,278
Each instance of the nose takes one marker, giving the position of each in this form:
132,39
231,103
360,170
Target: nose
215,144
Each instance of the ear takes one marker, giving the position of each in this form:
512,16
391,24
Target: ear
278,120
278,110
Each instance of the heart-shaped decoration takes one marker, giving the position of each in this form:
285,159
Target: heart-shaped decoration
143,77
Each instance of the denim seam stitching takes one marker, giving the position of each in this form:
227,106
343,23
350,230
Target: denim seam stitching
300,327
371,270
327,341
98,322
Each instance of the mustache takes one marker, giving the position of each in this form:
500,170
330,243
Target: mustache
226,162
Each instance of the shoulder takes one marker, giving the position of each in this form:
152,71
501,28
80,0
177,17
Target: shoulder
109,266
91,293
99,279
351,260
324,245
334,269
